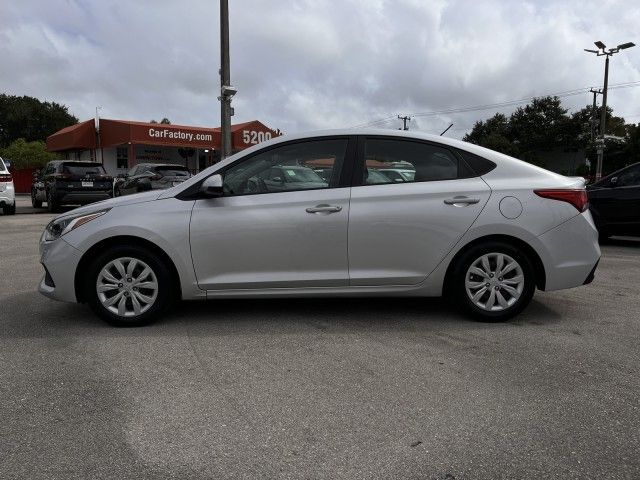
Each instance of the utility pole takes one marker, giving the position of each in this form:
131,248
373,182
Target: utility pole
226,90
404,119
602,50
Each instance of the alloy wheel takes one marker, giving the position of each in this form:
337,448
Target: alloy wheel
127,287
494,282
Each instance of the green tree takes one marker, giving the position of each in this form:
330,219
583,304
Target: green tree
25,154
30,119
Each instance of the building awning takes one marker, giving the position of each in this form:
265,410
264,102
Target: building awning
82,136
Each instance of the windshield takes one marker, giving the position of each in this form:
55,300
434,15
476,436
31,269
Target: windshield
298,175
83,169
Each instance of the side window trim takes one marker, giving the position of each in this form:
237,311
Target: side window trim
358,169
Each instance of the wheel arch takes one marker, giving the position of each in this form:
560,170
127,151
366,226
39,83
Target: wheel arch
126,240
528,250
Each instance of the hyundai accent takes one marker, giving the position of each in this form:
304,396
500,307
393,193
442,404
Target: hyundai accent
480,227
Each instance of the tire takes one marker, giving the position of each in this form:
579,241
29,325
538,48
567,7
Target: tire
9,209
510,293
52,203
149,310
35,203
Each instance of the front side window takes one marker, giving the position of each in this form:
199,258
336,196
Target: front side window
291,167
630,178
403,161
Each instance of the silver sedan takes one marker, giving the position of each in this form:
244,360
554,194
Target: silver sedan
480,227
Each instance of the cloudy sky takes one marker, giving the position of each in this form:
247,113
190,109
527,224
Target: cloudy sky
308,64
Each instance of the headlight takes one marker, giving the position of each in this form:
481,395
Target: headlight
60,226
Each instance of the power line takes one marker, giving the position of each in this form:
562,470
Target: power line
567,93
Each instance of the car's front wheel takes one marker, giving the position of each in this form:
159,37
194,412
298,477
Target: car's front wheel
493,281
129,286
52,203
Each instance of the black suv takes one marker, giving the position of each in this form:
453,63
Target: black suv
66,182
151,176
614,202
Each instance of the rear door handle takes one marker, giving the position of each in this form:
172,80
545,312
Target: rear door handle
461,201
324,208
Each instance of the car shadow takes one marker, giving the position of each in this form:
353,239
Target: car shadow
29,315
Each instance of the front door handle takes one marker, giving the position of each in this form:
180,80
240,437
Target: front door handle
324,208
459,201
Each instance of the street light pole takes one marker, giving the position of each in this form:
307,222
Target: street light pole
602,50
226,90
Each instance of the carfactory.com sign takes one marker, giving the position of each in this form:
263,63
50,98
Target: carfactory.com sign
179,135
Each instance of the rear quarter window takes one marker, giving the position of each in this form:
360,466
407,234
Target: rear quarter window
479,165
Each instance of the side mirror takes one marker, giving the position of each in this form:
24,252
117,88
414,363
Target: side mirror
212,187
7,164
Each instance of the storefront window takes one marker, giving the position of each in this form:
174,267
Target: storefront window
122,156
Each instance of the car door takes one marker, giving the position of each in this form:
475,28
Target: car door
400,231
616,204
256,236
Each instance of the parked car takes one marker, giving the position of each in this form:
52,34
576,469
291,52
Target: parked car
485,231
397,174
67,182
151,176
7,190
288,177
614,202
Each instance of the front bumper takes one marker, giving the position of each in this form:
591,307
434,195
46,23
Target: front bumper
60,260
572,253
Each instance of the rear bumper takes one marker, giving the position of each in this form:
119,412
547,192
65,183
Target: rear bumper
7,197
82,198
571,253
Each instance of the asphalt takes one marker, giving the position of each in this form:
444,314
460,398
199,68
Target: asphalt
367,388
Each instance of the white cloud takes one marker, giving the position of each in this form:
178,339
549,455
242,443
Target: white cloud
303,64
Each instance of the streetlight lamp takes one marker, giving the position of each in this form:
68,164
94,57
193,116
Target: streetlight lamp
602,50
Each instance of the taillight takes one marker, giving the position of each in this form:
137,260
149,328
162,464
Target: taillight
5,177
576,197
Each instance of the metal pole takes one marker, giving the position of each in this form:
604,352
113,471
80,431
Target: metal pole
225,80
603,117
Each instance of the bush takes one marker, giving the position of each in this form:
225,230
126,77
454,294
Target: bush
25,154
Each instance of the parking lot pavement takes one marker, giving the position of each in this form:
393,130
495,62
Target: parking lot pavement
367,388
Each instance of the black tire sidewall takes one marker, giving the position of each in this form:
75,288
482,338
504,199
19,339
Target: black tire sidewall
163,275
52,204
458,290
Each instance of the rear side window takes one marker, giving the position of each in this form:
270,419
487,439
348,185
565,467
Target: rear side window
478,164
83,169
2,167
404,161
173,171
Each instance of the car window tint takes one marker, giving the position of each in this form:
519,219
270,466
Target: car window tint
83,169
290,167
173,171
629,178
401,161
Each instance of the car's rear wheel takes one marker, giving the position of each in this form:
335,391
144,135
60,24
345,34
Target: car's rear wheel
493,281
34,202
129,286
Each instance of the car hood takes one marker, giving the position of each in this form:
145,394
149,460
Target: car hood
115,202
